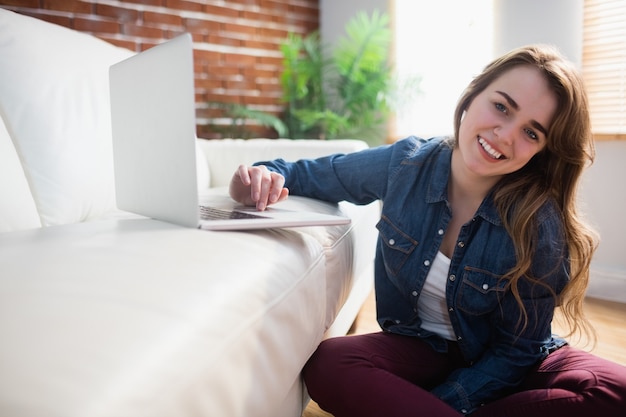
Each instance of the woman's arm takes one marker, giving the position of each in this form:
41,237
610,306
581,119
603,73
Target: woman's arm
359,177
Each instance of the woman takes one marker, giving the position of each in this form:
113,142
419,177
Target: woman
479,240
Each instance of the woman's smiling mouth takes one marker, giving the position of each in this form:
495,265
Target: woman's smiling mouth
489,150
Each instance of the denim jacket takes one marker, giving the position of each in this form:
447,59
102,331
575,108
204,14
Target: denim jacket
410,177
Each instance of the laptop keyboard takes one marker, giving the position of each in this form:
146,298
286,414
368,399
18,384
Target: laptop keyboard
212,213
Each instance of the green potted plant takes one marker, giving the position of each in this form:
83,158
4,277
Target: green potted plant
344,94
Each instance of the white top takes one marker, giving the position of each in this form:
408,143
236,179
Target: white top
432,307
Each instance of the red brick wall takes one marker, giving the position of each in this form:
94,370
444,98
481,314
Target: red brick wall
237,42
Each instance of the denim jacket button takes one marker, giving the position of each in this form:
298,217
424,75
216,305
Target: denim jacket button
426,262
414,293
452,277
440,232
461,244
392,242
485,286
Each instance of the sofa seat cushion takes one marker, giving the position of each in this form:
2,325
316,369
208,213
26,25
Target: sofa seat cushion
349,249
138,317
54,99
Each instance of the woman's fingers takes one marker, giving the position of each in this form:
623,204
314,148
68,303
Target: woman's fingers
257,186
239,188
266,186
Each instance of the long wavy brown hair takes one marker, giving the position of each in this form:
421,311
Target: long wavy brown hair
553,173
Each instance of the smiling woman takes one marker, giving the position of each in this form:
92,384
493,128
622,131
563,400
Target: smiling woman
503,127
479,240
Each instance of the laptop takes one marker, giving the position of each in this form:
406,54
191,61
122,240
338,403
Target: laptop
154,147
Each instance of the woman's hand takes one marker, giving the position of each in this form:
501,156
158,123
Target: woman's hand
257,186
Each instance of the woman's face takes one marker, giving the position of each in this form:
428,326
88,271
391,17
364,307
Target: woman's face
506,124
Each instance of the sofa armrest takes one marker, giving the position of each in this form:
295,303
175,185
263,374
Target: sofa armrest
225,155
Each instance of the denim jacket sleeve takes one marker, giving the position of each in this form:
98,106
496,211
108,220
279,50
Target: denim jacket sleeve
359,177
515,346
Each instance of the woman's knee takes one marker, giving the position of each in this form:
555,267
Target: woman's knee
597,381
335,353
325,360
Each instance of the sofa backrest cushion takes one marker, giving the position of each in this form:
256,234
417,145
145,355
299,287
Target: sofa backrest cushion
17,207
54,98
225,155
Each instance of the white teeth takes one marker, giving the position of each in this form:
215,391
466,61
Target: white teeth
495,154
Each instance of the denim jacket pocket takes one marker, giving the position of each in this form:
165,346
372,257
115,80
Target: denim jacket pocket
396,246
480,291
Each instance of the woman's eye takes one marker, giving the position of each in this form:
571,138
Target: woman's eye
531,134
500,107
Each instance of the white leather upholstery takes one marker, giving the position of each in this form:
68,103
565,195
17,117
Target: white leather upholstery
60,78
17,207
138,317
150,319
224,156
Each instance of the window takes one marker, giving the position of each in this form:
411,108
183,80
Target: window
604,66
445,50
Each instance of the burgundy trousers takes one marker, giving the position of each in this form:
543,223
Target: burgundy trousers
388,375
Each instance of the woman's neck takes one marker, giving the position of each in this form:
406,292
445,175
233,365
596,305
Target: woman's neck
464,186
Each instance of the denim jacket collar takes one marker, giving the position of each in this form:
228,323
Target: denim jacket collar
438,189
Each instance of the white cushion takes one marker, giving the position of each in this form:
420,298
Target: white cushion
167,321
202,168
224,155
54,98
17,208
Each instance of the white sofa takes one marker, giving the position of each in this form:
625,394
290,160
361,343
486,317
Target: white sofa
105,313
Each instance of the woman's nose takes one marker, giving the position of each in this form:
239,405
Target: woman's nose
505,133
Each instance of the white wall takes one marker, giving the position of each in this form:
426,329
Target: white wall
334,14
603,193
557,22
